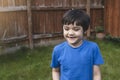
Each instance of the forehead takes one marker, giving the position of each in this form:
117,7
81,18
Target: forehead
72,26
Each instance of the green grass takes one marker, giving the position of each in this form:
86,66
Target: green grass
26,64
111,53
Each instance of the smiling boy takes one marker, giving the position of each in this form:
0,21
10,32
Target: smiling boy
76,58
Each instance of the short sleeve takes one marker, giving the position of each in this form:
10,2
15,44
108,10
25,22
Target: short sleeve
97,57
54,61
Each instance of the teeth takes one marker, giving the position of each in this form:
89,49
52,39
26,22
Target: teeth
71,37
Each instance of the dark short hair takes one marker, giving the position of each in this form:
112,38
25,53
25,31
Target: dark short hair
80,17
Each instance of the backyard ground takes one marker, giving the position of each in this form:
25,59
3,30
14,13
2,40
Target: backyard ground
26,64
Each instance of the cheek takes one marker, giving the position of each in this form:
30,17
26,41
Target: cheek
80,33
64,32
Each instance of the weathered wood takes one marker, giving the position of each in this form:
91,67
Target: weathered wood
38,36
24,8
46,17
112,17
9,9
4,34
88,12
24,37
29,13
14,39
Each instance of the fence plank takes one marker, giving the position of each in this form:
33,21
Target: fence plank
112,24
20,8
29,13
88,12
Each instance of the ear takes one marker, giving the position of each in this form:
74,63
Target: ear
85,33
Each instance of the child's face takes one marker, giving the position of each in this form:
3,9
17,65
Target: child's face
73,34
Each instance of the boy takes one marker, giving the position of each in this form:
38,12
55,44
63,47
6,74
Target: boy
76,58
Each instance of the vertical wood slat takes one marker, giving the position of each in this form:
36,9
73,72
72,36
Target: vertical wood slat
88,12
16,2
36,22
59,23
119,23
20,25
112,17
33,21
76,3
42,22
13,2
51,22
108,10
105,16
5,3
118,19
10,3
38,3
38,19
29,13
1,25
47,27
115,18
93,20
47,3
0,3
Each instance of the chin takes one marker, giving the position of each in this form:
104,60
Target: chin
72,43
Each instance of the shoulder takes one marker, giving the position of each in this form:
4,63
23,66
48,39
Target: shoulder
93,47
91,44
58,49
60,46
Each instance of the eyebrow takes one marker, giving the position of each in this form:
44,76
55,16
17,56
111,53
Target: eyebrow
77,26
74,26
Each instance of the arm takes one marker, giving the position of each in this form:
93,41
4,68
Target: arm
96,73
56,74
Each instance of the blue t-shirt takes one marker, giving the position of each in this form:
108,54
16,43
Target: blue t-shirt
76,63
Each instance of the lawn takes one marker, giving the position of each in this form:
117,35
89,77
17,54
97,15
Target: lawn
26,64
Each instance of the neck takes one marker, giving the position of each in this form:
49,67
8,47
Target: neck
76,45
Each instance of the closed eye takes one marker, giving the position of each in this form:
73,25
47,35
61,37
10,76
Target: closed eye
76,29
66,28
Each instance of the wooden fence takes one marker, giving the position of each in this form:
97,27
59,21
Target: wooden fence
46,18
112,17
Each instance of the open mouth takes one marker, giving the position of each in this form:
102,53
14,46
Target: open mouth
70,37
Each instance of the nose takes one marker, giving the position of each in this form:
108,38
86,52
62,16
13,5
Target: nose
71,32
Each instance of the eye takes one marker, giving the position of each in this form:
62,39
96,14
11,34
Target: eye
66,28
76,29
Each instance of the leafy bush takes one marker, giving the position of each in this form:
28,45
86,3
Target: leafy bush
99,29
114,39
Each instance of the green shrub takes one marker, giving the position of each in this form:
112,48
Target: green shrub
114,39
99,29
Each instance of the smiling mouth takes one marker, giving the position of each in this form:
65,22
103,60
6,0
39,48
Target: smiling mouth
71,37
